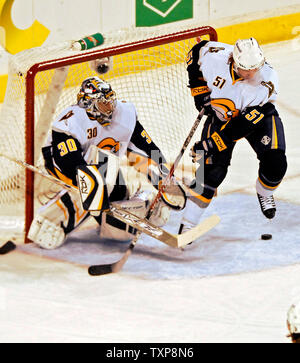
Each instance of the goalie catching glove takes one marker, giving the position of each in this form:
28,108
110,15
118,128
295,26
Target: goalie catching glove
173,196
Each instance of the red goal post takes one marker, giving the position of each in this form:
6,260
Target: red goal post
133,60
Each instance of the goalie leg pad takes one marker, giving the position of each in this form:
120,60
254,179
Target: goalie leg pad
46,234
92,188
56,219
112,228
96,182
160,215
139,203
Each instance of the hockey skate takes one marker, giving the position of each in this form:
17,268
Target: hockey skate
267,205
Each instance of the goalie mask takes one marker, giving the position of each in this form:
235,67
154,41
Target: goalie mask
99,100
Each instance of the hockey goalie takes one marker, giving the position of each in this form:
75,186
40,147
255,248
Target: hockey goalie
87,143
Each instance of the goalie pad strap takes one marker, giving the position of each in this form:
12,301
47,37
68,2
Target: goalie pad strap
66,199
119,224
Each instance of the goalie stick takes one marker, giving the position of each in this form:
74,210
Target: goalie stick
96,270
178,241
37,170
7,247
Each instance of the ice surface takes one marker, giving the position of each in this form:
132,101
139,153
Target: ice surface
230,286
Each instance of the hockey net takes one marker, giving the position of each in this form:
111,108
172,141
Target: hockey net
148,70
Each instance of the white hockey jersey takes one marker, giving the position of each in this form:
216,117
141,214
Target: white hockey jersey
74,121
73,132
229,94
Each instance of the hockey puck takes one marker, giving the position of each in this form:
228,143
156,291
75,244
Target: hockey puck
7,247
266,236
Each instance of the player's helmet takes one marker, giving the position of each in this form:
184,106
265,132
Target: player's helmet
293,319
98,98
247,54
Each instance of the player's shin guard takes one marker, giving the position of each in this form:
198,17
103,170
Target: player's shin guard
272,169
201,193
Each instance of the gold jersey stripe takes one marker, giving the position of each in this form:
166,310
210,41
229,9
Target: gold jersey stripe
274,135
198,196
267,186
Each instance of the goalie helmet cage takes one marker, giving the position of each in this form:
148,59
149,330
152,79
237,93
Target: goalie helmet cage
148,70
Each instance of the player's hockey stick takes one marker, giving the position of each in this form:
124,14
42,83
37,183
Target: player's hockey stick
7,247
143,225
37,170
117,266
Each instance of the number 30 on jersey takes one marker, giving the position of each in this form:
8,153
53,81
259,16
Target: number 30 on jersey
67,146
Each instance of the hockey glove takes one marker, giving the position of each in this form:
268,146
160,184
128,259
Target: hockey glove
209,146
202,99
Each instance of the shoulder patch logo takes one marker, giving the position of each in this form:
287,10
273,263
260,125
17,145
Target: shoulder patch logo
265,140
270,87
215,49
65,117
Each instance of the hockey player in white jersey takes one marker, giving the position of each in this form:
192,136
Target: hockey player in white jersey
98,121
293,322
238,89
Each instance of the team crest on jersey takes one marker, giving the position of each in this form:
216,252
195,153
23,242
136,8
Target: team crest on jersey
265,140
109,144
225,108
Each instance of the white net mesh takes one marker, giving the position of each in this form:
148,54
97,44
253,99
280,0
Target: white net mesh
154,79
